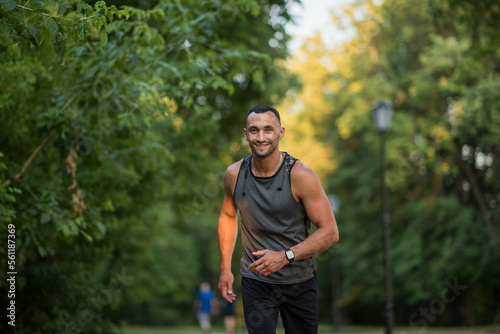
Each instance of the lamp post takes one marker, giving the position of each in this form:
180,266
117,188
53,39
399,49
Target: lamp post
382,116
335,204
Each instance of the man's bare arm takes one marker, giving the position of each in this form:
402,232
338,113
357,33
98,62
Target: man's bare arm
307,187
228,233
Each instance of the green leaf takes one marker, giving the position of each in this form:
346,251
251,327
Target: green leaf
46,217
126,13
81,6
102,22
103,38
9,4
52,27
62,7
100,5
82,33
42,251
102,228
86,235
252,7
35,33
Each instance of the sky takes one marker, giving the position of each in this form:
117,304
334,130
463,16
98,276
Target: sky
311,17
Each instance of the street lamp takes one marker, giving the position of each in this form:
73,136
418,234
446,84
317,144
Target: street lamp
335,204
382,116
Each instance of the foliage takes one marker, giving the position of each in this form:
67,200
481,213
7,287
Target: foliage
107,116
437,61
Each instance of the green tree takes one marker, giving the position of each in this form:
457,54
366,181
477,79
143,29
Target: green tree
112,122
437,61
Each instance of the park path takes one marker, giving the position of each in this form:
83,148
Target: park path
374,332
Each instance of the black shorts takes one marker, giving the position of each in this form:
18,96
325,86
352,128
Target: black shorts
297,303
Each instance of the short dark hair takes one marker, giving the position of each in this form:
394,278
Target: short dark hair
264,108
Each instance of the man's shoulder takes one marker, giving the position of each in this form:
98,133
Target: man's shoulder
231,174
234,168
301,171
304,180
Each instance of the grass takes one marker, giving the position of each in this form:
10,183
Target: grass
323,329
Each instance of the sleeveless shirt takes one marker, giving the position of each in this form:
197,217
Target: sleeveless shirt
271,218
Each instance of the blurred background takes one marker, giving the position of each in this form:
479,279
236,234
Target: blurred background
118,119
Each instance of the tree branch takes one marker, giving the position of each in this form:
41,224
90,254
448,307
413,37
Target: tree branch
30,159
476,191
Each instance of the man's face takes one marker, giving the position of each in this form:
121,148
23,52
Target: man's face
263,133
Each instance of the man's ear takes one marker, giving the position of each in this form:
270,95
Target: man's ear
245,134
282,133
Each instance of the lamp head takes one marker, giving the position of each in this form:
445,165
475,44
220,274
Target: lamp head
382,115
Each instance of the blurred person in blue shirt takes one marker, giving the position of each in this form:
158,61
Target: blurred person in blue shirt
205,306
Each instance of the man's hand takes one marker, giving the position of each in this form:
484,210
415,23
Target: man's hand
226,281
270,262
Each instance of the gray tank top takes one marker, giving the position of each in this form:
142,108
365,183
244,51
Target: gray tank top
271,219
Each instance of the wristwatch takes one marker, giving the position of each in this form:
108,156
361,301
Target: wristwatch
290,256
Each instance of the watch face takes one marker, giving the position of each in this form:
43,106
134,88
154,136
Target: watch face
289,254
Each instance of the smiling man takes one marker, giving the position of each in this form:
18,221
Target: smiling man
278,197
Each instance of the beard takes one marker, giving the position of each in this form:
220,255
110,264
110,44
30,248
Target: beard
262,153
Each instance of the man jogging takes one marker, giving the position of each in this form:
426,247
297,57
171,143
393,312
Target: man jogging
277,197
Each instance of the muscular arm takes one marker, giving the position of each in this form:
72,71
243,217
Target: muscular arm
228,233
306,189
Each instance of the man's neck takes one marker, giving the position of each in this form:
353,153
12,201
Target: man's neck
267,166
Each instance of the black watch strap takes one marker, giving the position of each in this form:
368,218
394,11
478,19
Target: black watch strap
290,255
